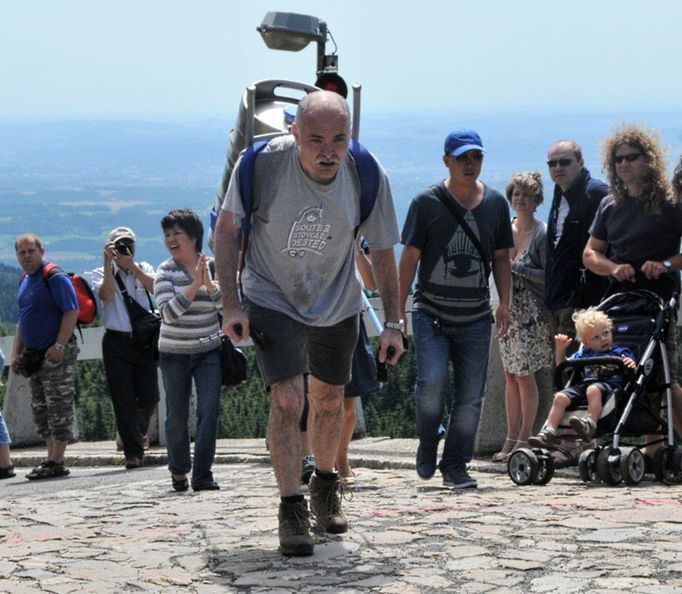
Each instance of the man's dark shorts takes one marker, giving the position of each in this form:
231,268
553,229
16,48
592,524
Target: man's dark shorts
292,348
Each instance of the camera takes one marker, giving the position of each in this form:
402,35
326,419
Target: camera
123,247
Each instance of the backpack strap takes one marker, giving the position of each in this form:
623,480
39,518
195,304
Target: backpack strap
50,270
368,172
365,164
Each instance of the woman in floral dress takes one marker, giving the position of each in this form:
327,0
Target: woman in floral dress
526,347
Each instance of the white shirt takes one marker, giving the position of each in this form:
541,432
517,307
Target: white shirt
561,219
114,313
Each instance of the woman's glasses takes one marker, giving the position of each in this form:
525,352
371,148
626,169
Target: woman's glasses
629,157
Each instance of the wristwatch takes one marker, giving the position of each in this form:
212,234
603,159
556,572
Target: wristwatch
668,265
59,346
399,326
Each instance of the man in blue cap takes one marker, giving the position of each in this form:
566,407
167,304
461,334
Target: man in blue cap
458,232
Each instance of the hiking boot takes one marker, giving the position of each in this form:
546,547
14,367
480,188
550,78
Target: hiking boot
307,468
586,428
48,469
458,478
427,452
325,504
294,529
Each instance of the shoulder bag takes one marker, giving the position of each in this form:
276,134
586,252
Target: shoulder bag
146,324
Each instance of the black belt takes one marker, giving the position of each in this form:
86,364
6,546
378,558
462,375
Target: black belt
119,333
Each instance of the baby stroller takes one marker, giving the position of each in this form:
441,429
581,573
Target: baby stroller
640,321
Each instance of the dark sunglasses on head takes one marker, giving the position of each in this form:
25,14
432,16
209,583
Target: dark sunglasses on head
630,157
562,162
468,157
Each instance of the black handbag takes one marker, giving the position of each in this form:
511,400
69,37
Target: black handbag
146,324
234,365
30,361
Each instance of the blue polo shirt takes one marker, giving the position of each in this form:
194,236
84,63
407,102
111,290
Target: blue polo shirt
41,309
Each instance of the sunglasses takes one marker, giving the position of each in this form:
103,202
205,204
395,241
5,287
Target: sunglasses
629,157
562,162
475,156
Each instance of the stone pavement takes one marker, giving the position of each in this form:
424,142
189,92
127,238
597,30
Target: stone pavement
105,529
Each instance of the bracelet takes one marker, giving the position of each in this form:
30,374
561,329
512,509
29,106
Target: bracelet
59,346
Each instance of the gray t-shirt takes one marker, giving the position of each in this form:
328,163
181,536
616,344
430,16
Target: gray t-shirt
300,256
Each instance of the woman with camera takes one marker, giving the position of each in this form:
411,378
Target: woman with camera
130,368
189,347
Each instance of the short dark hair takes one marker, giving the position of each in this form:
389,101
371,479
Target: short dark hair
188,221
28,237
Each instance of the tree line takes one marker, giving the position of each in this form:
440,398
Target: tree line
244,410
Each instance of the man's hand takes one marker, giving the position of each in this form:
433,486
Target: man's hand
502,319
236,324
54,354
623,272
652,269
390,339
109,254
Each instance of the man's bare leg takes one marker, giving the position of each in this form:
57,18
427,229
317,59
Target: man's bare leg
326,404
284,434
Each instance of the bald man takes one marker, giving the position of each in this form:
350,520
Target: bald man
302,299
568,284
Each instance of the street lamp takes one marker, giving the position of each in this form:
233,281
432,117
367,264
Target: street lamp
293,32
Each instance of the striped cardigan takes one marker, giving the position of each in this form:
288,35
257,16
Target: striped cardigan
183,322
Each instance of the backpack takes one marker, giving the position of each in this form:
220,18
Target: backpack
365,164
87,305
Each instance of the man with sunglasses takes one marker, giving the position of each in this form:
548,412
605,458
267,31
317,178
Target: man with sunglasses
130,369
456,233
568,284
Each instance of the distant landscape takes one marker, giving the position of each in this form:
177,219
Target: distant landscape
72,181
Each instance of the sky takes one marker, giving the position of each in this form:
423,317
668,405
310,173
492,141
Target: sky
172,58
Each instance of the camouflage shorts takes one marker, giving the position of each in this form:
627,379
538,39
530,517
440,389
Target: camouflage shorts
53,390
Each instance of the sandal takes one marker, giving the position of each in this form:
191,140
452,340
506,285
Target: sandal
565,458
502,456
48,469
349,481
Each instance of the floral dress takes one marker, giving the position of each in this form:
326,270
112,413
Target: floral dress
527,347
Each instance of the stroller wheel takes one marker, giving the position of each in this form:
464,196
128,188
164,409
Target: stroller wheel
608,466
587,466
677,460
523,467
546,469
664,464
631,466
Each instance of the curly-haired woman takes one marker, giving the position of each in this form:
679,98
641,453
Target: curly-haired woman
639,225
526,346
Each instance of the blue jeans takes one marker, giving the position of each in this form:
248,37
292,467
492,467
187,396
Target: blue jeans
468,348
178,372
4,434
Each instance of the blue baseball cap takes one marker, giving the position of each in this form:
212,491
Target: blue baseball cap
462,140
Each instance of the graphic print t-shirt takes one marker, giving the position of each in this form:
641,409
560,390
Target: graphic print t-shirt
451,279
300,257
